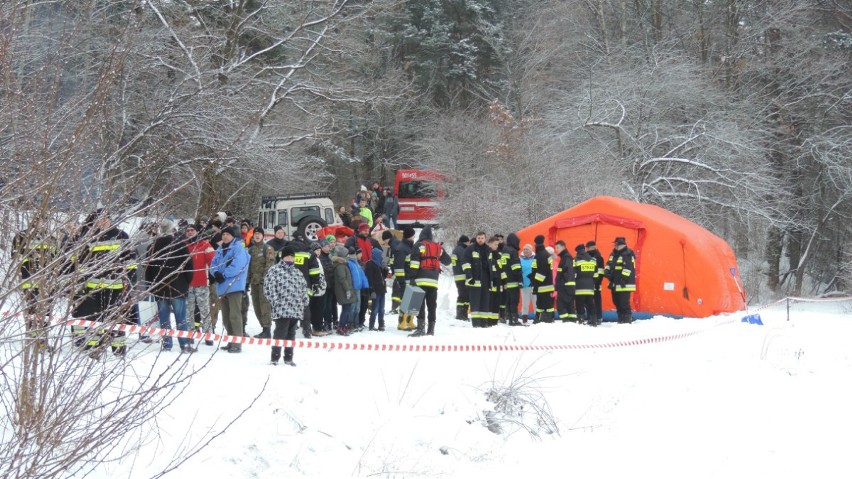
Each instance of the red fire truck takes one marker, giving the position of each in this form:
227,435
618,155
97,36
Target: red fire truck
419,192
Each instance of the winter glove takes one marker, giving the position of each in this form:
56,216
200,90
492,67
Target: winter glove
220,278
210,278
315,289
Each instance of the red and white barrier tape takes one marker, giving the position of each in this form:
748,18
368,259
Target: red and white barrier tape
411,347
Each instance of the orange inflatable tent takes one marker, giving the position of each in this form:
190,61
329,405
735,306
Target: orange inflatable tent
681,268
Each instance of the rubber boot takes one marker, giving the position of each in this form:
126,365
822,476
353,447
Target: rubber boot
401,322
420,331
537,317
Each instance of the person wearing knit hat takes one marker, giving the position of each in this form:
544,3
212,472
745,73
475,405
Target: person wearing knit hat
230,268
364,241
261,259
592,249
408,232
585,269
230,230
344,289
539,240
287,290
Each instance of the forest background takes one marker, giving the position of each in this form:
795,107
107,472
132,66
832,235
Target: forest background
733,113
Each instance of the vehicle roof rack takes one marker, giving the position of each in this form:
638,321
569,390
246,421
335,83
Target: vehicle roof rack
296,196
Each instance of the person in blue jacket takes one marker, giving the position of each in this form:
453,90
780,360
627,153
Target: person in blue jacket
230,271
527,296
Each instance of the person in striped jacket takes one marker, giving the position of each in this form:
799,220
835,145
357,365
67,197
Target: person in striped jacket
620,270
424,269
542,281
565,284
585,270
463,297
514,277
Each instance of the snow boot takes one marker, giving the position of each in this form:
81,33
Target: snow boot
420,331
430,328
264,334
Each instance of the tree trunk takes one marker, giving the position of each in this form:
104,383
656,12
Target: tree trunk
774,247
657,21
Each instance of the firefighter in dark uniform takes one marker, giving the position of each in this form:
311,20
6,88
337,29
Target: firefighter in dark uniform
477,270
585,269
34,250
620,270
565,284
514,279
106,265
399,264
592,250
498,280
463,298
500,293
423,271
542,282
307,262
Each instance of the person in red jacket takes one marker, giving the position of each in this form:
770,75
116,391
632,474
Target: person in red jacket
198,296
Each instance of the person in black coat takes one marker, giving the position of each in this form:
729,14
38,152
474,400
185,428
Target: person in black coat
463,297
169,272
592,250
541,279
477,270
585,269
106,264
565,284
376,274
514,279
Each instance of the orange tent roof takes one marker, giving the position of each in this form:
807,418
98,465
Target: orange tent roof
681,268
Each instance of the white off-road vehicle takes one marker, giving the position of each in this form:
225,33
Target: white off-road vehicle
303,213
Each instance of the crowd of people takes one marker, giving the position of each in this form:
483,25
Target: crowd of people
336,285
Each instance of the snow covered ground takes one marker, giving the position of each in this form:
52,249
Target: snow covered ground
733,400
